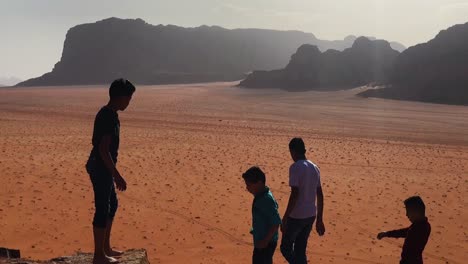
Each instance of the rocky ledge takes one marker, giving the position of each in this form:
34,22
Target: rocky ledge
133,256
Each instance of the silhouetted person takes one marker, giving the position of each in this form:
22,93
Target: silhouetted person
102,169
298,220
265,216
416,235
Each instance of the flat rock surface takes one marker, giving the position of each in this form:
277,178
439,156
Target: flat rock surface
133,256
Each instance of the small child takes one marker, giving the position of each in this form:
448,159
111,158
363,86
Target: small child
265,216
416,235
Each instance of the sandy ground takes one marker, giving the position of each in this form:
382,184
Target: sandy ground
183,149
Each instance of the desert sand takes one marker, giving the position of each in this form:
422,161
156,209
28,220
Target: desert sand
183,149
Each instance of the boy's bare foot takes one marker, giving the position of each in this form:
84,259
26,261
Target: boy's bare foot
113,253
104,260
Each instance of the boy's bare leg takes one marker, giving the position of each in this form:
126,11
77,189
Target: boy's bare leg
107,247
99,254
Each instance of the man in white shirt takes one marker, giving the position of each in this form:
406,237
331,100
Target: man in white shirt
306,188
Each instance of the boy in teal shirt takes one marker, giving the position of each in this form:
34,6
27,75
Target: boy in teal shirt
265,216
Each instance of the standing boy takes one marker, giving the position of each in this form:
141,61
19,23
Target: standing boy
416,236
102,169
265,216
298,220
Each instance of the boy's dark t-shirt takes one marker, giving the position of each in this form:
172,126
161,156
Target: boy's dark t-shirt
416,237
106,123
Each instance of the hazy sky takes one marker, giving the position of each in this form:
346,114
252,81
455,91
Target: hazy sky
33,31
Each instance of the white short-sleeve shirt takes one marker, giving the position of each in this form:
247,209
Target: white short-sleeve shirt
304,175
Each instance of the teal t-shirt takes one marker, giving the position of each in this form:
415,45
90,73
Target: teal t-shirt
264,215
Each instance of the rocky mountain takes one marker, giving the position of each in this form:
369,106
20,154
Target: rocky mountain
436,71
349,40
99,52
367,61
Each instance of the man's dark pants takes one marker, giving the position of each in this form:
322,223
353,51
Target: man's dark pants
294,241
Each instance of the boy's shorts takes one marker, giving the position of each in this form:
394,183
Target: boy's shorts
105,197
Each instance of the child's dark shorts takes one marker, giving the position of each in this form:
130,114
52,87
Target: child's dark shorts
105,197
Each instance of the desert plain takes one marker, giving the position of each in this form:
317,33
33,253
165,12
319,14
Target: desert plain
183,149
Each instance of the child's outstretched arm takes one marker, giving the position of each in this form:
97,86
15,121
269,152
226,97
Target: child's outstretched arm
398,233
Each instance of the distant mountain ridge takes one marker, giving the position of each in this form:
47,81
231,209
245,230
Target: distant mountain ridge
367,61
99,52
436,71
349,40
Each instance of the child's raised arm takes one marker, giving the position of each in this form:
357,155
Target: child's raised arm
394,233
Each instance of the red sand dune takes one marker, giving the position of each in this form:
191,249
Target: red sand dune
183,149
